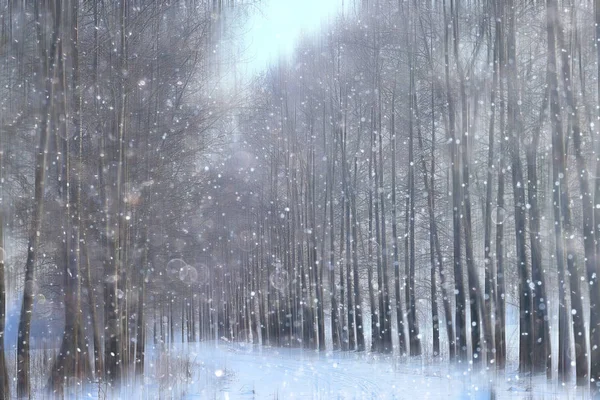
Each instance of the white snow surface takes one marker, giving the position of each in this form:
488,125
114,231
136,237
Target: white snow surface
222,370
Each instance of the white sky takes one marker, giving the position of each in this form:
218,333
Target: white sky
277,27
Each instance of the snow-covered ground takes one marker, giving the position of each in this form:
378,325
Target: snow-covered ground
224,370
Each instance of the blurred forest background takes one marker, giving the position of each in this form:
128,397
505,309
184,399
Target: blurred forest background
417,179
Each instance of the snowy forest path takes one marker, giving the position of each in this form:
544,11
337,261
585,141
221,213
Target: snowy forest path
241,371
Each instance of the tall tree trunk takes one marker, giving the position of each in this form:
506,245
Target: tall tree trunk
346,197
460,299
358,306
487,241
342,284
594,285
589,237
255,320
4,382
465,151
558,178
98,360
71,362
499,298
397,280
317,264
385,310
380,302
335,323
46,77
373,305
140,339
437,257
542,361
413,325
514,129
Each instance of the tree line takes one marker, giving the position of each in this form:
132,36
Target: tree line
411,164
403,181
106,109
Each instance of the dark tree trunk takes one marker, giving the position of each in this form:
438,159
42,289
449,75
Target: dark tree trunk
413,325
465,150
140,339
581,350
4,382
499,298
46,73
397,280
255,320
71,362
542,356
346,199
514,129
385,310
373,305
380,302
358,306
489,288
558,154
335,323
460,299
594,285
98,361
435,248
